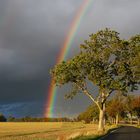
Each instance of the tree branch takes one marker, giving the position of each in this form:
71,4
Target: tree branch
86,92
107,95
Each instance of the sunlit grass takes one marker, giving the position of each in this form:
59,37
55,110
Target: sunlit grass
46,130
37,131
97,136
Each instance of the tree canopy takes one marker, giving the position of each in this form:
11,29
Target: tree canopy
105,60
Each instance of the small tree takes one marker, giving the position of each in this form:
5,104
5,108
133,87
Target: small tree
11,119
2,118
115,108
91,114
136,108
102,62
129,106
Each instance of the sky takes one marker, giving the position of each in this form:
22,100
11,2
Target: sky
32,33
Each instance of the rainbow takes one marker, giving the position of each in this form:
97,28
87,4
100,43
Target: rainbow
51,98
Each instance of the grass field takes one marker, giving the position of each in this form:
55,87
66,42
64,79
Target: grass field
45,130
40,131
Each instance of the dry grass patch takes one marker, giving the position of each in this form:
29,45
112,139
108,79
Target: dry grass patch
45,130
42,130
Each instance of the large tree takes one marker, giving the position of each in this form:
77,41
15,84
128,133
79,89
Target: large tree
102,62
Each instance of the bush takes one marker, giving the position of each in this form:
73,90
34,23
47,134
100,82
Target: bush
2,118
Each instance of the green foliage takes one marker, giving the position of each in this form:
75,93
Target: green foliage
116,107
106,61
35,119
129,104
136,106
92,112
135,56
2,118
11,119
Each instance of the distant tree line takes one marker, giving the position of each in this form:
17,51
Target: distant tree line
119,108
32,119
35,119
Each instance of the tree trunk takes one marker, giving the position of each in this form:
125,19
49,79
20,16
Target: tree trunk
131,120
101,126
101,121
138,121
117,119
112,120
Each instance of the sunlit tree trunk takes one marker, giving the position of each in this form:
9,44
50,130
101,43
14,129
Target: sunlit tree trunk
101,126
131,120
138,121
117,119
112,120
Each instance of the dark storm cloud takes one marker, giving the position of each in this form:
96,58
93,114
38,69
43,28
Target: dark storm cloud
32,33
24,90
23,109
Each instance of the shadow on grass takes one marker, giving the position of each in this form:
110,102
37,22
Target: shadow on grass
96,137
92,137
